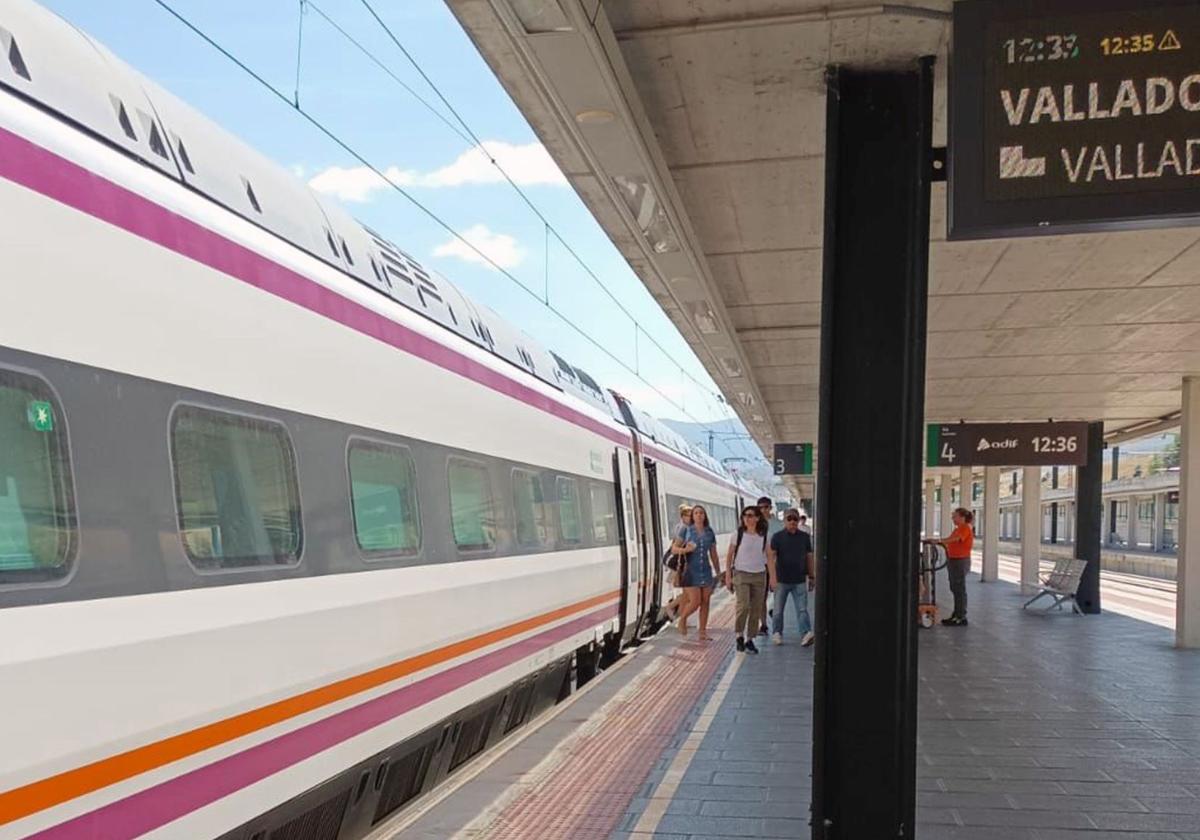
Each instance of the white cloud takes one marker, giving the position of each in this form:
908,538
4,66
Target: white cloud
502,249
528,165
358,183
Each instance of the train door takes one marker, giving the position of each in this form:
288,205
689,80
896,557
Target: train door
657,503
643,511
623,472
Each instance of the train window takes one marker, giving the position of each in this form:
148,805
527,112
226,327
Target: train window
533,517
569,528
235,488
122,117
15,59
472,514
604,514
184,158
37,517
254,198
383,499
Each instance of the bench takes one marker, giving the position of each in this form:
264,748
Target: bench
1061,584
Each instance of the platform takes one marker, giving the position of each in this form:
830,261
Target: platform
1032,727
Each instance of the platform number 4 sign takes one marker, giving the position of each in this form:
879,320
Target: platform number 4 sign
793,459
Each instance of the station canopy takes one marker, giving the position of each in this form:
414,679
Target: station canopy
695,132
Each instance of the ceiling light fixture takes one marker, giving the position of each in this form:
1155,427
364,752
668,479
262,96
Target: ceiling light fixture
595,116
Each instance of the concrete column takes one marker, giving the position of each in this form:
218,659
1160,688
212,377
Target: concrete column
1160,520
929,507
1187,598
964,488
1031,528
1089,503
945,526
991,523
1131,522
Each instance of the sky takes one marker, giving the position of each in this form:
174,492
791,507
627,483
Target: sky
425,150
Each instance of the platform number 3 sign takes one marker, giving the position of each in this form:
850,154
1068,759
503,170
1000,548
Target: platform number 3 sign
793,459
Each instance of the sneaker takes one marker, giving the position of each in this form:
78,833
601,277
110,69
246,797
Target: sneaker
777,638
741,644
808,639
953,621
750,648
762,631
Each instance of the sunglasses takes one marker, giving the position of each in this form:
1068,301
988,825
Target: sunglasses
793,519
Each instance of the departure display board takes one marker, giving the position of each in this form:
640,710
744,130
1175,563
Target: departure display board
793,459
1073,115
1006,444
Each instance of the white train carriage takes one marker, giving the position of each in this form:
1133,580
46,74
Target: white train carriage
289,528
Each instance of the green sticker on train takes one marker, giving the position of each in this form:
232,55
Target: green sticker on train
41,416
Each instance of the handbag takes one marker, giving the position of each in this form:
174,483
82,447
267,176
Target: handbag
679,575
670,560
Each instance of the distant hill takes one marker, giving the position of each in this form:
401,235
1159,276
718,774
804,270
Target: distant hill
731,440
1156,443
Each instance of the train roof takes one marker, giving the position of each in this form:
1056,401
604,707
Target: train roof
68,73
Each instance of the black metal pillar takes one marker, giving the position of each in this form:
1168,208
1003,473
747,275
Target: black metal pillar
1053,522
873,309
1089,513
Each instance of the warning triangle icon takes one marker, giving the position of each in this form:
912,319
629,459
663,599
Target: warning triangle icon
1170,41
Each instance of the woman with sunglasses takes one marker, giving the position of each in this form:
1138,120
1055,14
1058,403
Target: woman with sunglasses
748,570
702,568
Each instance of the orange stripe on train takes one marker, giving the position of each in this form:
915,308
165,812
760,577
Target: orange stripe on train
54,790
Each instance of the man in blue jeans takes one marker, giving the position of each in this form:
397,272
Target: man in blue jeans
792,550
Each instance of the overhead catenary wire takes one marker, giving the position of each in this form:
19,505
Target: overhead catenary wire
346,147
370,56
516,187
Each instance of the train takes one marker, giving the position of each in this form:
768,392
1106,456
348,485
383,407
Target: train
291,530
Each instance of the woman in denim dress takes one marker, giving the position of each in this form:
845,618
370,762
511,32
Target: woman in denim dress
702,570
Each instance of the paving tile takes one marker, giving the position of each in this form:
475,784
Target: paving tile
1169,805
1124,789
1002,786
790,808
1041,802
957,832
1146,822
962,800
1028,819
1093,834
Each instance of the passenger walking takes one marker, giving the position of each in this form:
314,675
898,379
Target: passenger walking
804,525
678,551
792,551
702,567
958,553
749,572
774,526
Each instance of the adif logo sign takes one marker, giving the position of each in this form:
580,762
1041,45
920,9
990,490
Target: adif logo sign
985,444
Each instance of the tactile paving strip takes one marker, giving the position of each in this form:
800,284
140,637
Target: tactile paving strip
584,789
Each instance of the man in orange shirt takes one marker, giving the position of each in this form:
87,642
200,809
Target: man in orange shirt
958,551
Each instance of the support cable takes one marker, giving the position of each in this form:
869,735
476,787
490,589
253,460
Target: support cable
520,192
329,133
